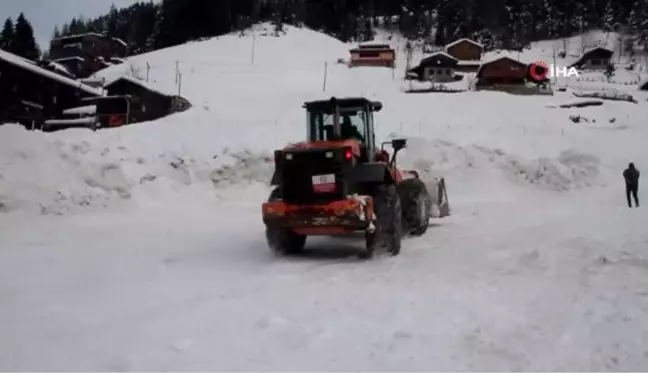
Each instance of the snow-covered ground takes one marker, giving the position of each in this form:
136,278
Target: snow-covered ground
142,248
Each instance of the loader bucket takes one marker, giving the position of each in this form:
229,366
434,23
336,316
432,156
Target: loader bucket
439,195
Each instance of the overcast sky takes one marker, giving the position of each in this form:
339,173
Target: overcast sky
45,14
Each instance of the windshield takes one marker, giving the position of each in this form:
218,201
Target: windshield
352,125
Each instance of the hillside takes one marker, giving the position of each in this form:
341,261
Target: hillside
142,247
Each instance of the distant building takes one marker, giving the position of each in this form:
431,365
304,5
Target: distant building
90,44
503,72
130,100
32,94
598,58
438,67
465,50
95,50
373,55
468,52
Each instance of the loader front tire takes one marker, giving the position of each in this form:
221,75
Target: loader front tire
416,205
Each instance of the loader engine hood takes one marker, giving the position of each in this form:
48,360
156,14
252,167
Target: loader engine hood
328,144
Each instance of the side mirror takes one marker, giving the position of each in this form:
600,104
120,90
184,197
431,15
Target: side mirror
398,144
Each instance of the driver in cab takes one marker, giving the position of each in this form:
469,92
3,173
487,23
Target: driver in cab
348,130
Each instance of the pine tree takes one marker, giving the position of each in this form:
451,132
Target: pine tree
24,42
56,33
110,25
609,16
7,35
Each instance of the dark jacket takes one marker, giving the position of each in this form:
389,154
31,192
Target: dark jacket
631,176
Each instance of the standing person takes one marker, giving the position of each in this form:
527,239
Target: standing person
631,176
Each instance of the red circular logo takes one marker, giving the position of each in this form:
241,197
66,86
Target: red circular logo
539,70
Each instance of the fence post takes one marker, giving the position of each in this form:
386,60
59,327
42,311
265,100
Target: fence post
177,71
179,83
325,76
253,46
148,70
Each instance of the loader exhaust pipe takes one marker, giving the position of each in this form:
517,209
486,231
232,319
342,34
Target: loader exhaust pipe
336,118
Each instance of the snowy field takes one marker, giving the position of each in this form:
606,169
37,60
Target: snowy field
142,248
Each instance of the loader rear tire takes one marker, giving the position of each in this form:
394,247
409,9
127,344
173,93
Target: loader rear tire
283,241
388,225
416,205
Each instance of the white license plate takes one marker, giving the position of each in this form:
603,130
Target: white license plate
324,183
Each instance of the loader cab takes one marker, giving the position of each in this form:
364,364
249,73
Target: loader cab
342,119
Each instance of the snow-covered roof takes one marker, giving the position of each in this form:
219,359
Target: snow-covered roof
463,40
139,82
87,120
64,59
89,109
582,58
469,63
490,61
589,50
31,66
508,55
80,35
441,54
120,41
60,68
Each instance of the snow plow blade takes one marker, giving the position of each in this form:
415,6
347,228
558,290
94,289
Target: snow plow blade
334,218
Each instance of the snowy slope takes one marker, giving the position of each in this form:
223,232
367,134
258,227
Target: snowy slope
160,262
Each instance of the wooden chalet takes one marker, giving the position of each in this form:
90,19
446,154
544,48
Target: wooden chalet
465,50
96,51
502,73
32,93
468,52
598,58
438,67
373,55
130,100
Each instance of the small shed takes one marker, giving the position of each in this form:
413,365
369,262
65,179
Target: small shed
598,58
502,72
465,50
373,55
437,67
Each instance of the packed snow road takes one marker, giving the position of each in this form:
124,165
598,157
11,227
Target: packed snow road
194,287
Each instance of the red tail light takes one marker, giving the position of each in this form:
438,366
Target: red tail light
348,155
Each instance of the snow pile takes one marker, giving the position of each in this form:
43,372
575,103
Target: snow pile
570,169
42,174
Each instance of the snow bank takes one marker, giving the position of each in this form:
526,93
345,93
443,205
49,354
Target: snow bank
48,175
568,170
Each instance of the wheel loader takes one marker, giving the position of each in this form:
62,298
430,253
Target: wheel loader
338,182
